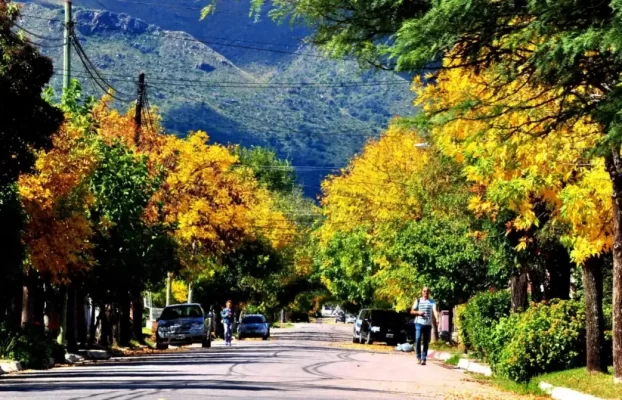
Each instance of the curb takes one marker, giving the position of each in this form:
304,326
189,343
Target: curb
560,393
10,366
464,363
95,354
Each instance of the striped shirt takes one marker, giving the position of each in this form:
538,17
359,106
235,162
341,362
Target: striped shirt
427,307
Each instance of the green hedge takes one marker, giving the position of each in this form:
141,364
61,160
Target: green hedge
31,347
477,320
544,338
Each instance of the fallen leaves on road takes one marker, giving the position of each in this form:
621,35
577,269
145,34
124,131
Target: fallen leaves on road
379,348
492,396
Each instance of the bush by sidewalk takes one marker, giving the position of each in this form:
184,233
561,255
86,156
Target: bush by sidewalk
544,338
31,347
478,319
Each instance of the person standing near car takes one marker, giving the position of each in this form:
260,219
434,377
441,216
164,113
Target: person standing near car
227,321
425,311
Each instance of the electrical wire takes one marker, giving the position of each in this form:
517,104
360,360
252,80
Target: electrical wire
210,42
91,69
37,35
256,85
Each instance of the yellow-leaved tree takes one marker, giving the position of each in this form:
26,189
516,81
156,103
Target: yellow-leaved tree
211,201
56,200
525,163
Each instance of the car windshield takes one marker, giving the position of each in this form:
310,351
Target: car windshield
181,312
252,320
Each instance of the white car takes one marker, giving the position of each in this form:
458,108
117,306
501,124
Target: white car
350,319
327,311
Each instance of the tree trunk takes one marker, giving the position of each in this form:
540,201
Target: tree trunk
614,167
593,288
537,294
106,332
93,326
26,303
559,269
137,313
125,330
72,337
519,292
81,319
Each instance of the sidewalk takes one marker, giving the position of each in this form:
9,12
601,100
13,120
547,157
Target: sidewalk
557,393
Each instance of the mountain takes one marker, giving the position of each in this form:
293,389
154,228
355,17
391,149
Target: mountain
315,111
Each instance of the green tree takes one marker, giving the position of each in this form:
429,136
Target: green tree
568,50
275,174
26,123
130,253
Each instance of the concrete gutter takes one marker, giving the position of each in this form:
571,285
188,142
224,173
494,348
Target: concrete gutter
465,363
560,393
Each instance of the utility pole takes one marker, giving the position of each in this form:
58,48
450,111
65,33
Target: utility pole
189,292
67,46
62,334
140,100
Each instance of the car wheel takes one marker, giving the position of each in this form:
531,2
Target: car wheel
369,340
264,338
161,346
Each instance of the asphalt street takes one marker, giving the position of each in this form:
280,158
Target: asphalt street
304,362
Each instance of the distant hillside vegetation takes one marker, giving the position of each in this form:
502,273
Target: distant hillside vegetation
315,111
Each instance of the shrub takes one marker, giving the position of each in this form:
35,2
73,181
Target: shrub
544,338
479,318
31,347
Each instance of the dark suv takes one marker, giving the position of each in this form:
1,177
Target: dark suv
378,325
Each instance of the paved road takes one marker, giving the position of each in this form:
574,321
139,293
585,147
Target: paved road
304,362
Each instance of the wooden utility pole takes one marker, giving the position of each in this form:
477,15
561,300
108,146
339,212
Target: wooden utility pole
66,82
140,100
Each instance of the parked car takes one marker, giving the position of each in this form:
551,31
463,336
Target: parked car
182,324
299,317
327,311
253,325
378,325
344,317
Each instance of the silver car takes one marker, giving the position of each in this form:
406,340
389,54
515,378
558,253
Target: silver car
182,324
253,325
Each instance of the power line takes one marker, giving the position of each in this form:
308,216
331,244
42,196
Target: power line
257,85
209,41
37,35
92,71
174,33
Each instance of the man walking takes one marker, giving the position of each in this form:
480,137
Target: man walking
425,310
227,321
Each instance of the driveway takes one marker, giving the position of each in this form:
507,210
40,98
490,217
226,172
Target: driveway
304,362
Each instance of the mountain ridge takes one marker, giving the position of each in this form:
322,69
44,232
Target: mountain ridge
315,111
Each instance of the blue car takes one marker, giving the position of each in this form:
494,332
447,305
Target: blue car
182,324
253,325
